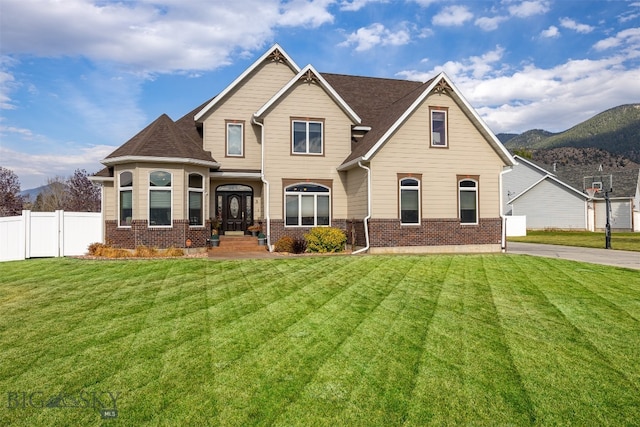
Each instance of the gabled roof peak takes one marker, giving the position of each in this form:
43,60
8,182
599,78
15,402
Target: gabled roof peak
274,54
309,75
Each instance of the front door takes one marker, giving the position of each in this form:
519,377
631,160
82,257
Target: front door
234,203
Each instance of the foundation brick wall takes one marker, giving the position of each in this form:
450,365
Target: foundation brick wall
355,232
140,234
434,232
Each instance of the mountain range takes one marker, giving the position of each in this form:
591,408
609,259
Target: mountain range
612,136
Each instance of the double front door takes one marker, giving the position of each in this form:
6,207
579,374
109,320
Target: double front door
234,204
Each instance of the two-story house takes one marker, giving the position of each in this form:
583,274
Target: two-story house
398,165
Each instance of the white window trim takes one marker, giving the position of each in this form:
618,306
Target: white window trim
315,206
307,122
474,189
233,123
195,190
414,188
121,189
170,189
446,127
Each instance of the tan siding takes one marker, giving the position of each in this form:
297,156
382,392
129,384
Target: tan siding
357,192
240,104
408,152
109,196
308,101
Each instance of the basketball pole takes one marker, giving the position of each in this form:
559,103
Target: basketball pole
607,230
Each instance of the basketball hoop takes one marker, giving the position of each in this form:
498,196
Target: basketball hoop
591,192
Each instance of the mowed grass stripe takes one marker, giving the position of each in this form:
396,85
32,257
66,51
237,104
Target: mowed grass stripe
371,374
467,375
606,326
285,363
389,340
566,378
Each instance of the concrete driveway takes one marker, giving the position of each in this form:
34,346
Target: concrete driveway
615,258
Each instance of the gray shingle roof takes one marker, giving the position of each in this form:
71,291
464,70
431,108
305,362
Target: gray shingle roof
163,138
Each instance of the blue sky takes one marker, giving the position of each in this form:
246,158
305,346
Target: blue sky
78,78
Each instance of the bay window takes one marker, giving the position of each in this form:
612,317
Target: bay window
160,199
125,199
196,206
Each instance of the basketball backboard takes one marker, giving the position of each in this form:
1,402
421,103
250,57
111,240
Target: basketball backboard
597,184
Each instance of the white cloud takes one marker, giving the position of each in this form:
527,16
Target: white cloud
356,5
630,37
549,98
573,25
303,13
452,16
147,38
490,24
550,32
376,35
529,8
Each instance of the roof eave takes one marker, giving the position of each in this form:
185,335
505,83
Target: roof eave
153,159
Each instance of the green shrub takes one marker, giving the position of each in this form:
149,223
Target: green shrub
325,239
284,244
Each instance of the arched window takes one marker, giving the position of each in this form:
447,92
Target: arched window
160,199
468,201
409,201
125,199
196,205
307,205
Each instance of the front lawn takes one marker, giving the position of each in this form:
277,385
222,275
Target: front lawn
585,239
345,340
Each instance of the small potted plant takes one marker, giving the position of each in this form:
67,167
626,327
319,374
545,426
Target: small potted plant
262,239
215,226
215,240
254,229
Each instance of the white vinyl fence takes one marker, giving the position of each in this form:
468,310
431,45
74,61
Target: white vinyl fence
48,234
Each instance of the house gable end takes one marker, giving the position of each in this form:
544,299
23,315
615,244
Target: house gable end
276,55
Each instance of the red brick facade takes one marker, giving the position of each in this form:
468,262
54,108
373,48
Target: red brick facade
434,232
140,234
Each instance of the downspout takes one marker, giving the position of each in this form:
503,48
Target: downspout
265,182
368,217
502,215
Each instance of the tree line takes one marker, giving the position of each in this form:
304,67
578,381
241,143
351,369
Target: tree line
75,193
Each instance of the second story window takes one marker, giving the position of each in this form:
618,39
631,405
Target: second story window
439,128
235,139
307,137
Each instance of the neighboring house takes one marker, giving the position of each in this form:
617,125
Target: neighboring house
555,197
398,165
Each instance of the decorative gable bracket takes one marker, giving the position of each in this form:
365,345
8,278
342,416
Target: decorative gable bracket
442,87
309,77
277,56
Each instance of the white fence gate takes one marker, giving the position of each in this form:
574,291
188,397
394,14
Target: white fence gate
48,234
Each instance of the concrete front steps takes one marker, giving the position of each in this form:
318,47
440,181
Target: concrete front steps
237,244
